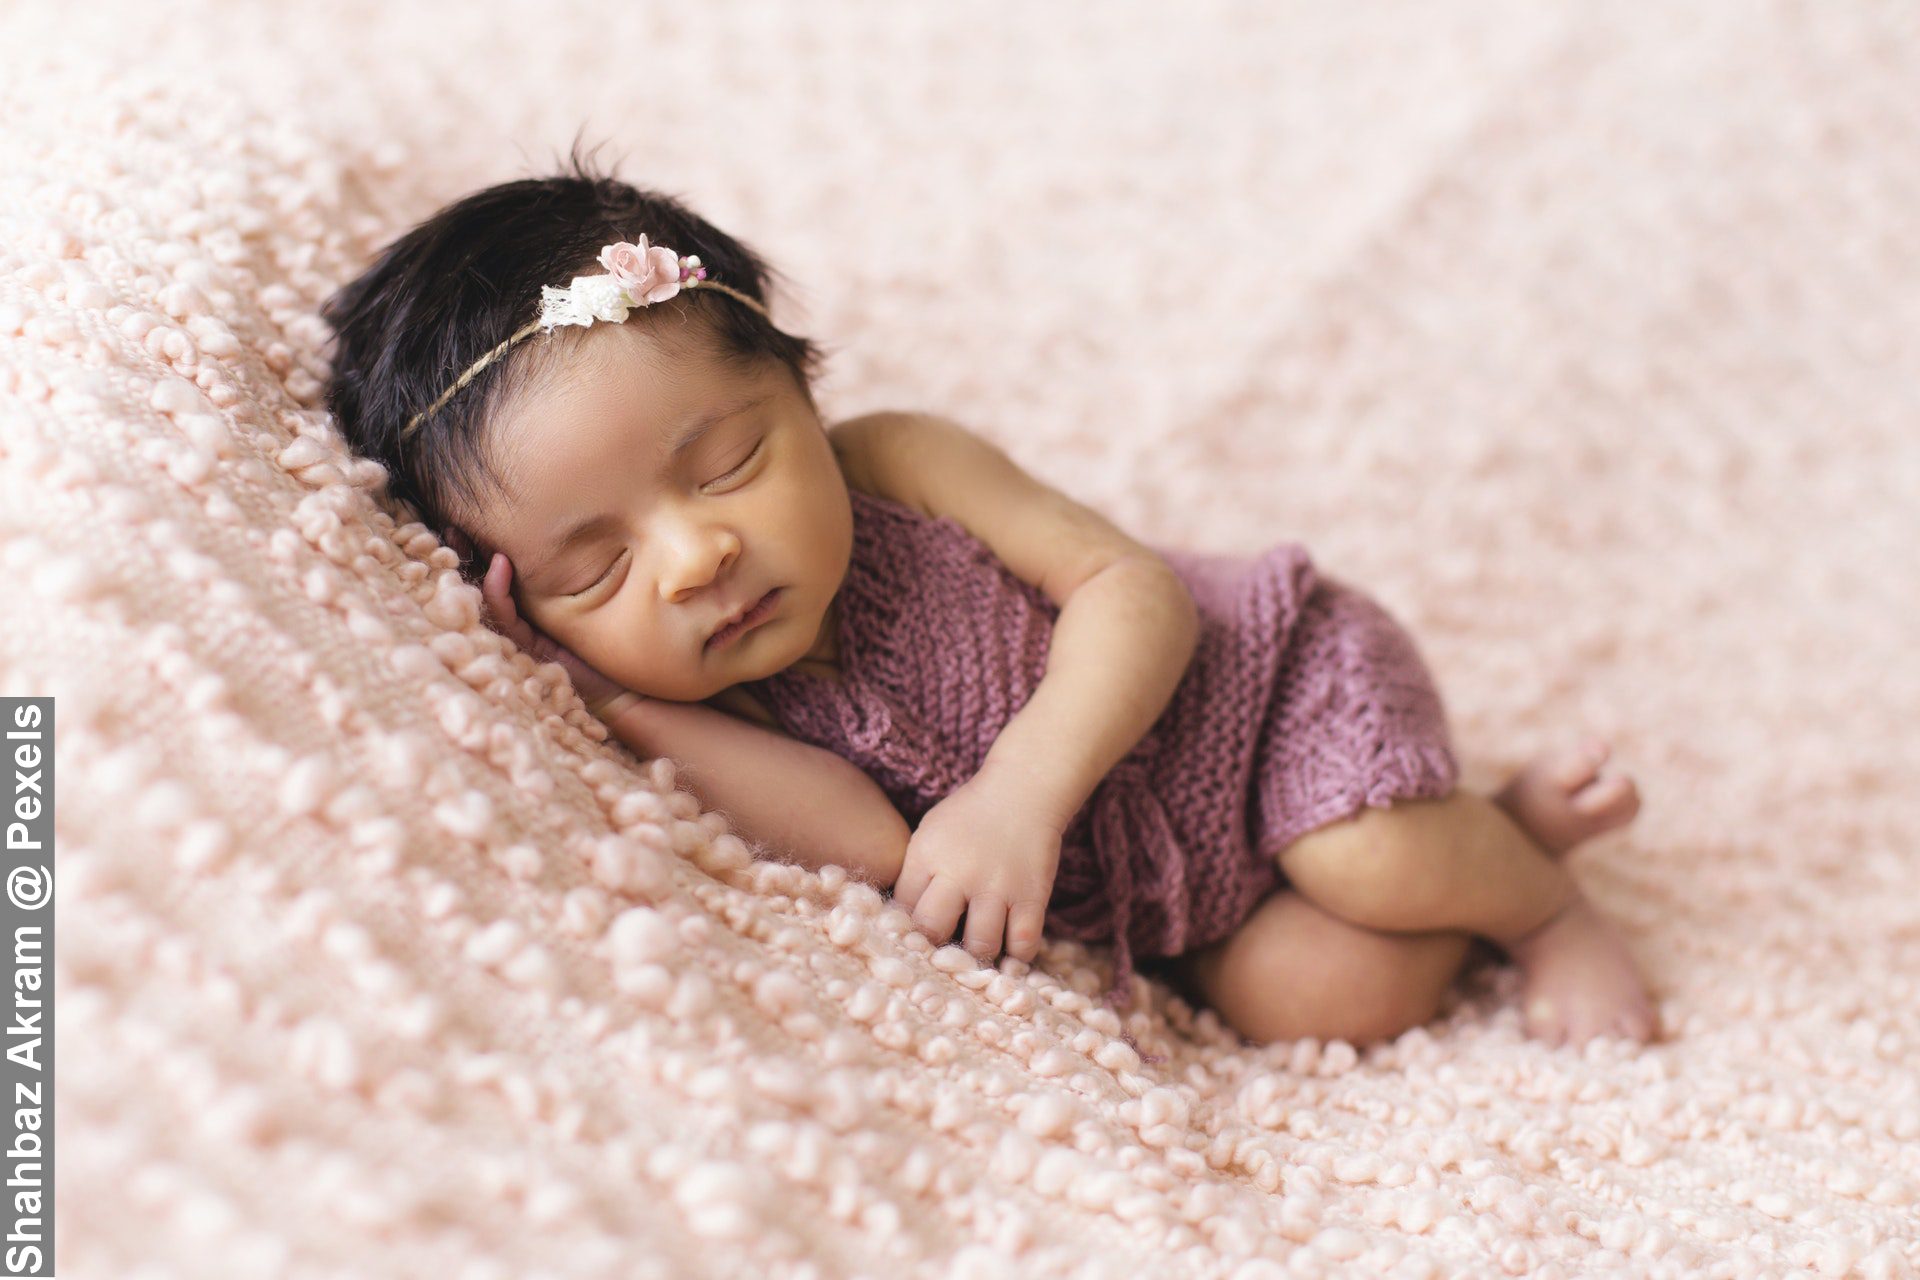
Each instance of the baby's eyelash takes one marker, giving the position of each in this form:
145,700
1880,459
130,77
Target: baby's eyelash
575,595
749,458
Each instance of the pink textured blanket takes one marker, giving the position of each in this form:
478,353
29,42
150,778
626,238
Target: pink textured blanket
1581,336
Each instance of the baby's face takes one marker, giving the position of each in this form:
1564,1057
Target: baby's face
669,546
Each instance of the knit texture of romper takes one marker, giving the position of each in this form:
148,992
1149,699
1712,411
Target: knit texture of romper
1303,702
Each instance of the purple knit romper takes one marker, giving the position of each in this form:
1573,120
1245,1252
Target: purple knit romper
1304,701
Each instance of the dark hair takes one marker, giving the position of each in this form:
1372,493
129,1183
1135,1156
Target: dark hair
459,283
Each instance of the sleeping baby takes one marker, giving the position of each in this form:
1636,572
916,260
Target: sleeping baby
881,644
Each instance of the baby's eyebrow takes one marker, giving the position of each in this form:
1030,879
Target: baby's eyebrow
687,435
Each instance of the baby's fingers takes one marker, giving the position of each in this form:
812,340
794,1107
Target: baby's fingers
499,600
938,909
1024,925
986,919
493,587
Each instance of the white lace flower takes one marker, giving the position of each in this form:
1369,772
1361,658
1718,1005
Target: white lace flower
587,299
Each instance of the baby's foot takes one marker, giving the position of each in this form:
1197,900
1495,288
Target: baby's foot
1579,982
1561,799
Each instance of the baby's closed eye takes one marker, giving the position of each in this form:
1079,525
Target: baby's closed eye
607,574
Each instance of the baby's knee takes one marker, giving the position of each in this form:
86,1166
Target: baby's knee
1295,969
1361,1018
1371,999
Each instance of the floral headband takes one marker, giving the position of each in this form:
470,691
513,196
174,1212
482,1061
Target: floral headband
637,275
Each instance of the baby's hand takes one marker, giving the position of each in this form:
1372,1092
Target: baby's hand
988,852
596,690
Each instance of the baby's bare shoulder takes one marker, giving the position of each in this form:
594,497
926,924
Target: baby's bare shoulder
856,443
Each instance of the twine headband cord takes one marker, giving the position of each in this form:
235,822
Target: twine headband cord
637,275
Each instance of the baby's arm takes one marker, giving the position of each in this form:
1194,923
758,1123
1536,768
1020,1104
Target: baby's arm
804,803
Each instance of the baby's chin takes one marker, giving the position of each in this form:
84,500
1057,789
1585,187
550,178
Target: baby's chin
770,648
703,684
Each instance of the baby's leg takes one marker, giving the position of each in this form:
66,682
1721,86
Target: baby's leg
1464,863
1293,970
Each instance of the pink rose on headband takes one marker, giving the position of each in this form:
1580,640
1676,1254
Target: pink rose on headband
649,274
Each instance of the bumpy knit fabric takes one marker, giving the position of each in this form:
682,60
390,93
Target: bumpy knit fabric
1302,703
1587,336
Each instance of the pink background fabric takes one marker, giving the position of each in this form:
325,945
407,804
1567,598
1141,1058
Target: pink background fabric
1583,337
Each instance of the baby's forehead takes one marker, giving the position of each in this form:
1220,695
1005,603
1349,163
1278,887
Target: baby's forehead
580,376
581,368
625,385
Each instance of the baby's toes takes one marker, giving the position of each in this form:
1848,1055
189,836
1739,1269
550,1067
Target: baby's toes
1642,1021
1612,800
1574,767
1546,1021
1637,1025
1590,1022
